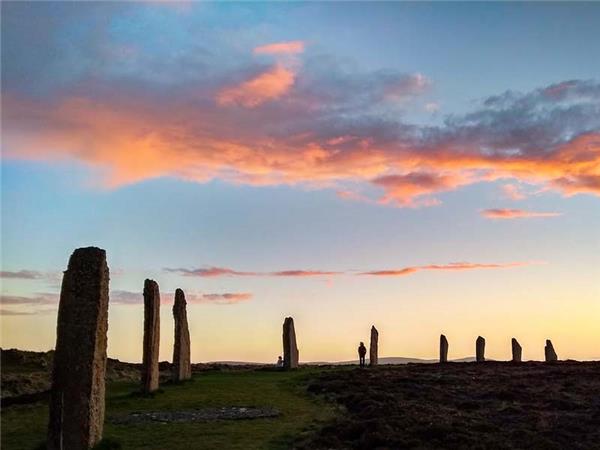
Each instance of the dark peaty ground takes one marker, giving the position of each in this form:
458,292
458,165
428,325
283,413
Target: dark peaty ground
491,405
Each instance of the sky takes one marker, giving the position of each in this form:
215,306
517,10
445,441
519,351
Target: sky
422,167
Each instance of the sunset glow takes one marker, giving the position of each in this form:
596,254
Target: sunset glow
440,176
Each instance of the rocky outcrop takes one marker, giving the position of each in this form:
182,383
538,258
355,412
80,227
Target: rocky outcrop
443,349
182,368
480,349
151,336
374,347
290,348
79,366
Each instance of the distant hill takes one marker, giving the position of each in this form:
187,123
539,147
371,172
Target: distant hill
389,360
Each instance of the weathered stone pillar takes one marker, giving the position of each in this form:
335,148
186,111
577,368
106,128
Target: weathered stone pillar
443,349
374,347
480,349
517,351
182,367
151,336
77,394
290,348
551,355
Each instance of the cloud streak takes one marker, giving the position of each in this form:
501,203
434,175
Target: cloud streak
210,272
166,298
455,266
505,213
22,275
49,301
278,48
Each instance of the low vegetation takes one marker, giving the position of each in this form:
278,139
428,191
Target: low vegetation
491,405
24,426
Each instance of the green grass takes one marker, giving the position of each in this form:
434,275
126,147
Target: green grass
24,426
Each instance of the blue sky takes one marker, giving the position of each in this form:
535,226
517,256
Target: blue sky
352,138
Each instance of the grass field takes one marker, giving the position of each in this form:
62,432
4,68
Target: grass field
24,426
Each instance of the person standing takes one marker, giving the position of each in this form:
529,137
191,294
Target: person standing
362,352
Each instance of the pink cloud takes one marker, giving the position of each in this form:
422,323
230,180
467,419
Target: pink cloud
49,301
221,271
512,192
312,138
267,86
289,47
456,266
303,273
415,188
504,213
210,272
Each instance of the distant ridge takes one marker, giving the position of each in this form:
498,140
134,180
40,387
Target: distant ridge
390,360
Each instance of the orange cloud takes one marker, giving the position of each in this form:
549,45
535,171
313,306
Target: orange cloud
503,213
410,189
289,47
451,266
134,136
267,86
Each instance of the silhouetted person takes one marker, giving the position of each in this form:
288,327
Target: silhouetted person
362,352
280,362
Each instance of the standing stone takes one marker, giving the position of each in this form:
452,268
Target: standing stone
77,394
151,336
443,349
290,348
374,347
517,351
480,349
182,367
551,355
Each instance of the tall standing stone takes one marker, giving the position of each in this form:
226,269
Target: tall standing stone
182,367
443,349
480,349
517,351
549,352
151,336
374,347
79,367
290,348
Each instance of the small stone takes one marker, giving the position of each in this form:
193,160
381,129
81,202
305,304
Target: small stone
480,349
290,348
517,351
443,349
79,371
182,367
374,347
549,352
